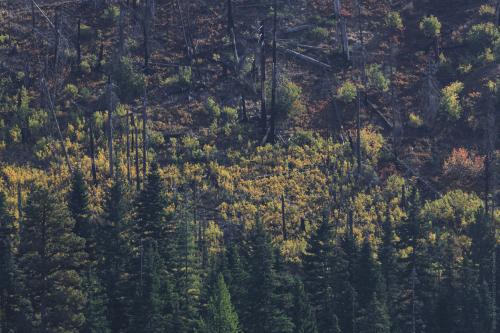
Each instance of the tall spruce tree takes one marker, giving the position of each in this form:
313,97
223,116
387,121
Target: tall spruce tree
50,257
95,311
373,316
78,203
318,270
151,220
186,273
113,253
263,315
8,269
222,317
303,313
151,312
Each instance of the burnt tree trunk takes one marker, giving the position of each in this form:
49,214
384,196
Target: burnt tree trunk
263,111
33,19
127,128
136,148
78,45
92,149
272,134
145,134
232,35
56,36
110,126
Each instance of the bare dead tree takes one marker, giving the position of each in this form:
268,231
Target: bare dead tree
92,148
33,18
274,83
232,35
110,126
146,30
121,30
342,29
53,112
283,217
135,139
127,129
78,45
262,54
145,133
57,23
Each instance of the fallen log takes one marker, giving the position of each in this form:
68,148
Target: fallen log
305,58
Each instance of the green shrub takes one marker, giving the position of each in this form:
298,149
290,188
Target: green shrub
71,90
376,78
130,82
487,10
394,21
110,14
415,120
213,109
318,35
347,92
229,115
86,33
483,35
185,74
288,102
450,100
430,26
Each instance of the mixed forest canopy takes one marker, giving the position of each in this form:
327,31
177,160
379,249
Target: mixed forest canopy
249,166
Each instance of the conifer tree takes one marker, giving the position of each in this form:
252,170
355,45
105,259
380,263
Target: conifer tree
150,211
50,256
113,253
318,278
186,275
390,267
78,203
236,277
8,269
303,314
373,313
222,317
151,312
95,310
263,315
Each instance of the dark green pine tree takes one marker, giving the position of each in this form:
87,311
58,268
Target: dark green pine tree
318,278
50,257
150,308
302,312
9,313
236,277
151,220
262,313
113,253
390,268
418,286
95,307
78,203
373,316
186,275
222,317
483,257
96,320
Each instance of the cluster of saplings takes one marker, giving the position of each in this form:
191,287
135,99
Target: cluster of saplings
142,266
